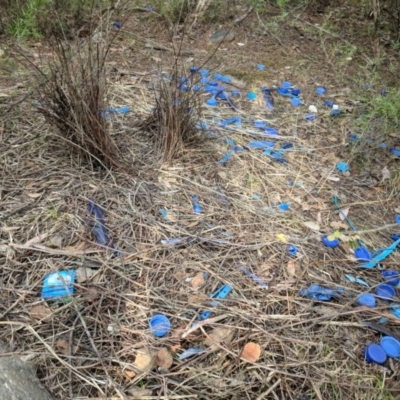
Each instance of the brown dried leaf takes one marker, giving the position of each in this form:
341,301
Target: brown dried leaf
164,358
218,335
144,361
129,375
312,225
138,392
198,281
41,312
83,274
196,299
292,268
343,214
62,346
338,225
251,352
55,241
171,216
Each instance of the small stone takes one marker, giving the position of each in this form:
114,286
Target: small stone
222,36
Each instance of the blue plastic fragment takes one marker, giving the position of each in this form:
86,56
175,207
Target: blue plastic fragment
225,79
226,157
353,279
310,117
329,103
320,90
255,196
295,101
235,93
212,102
204,72
335,111
391,277
374,353
213,83
381,256
204,81
286,84
159,325
384,92
395,152
58,284
395,236
234,120
395,309
217,76
366,299
251,96
98,227
220,293
260,124
253,276
295,92
229,141
385,291
292,250
196,206
286,92
397,219
261,144
267,152
261,67
121,110
342,166
190,352
362,254
117,25
237,149
316,292
383,145
284,206
271,131
286,145
330,242
196,88
193,69
149,9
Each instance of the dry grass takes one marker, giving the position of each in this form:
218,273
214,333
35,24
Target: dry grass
310,350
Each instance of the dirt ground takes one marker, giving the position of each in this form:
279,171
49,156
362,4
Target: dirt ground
258,342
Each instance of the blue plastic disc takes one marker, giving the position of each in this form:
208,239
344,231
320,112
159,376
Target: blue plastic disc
159,325
391,346
342,166
362,254
320,90
212,102
366,299
385,291
261,67
391,277
375,354
330,243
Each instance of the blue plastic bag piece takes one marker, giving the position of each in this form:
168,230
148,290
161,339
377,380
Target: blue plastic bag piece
269,100
383,145
234,120
58,284
353,279
237,149
271,131
99,229
292,250
384,92
261,144
286,145
395,236
342,166
320,90
196,205
261,67
395,152
226,157
295,101
377,259
253,276
397,219
204,72
235,93
335,111
121,110
316,292
260,124
329,103
310,117
117,25
284,206
190,352
255,197
286,84
267,152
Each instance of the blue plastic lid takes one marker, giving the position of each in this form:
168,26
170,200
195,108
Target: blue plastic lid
295,92
391,346
284,206
375,354
295,101
342,166
362,254
193,69
286,84
320,90
310,117
159,325
385,291
329,103
212,102
391,277
261,67
204,81
204,72
251,96
225,79
366,299
330,243
292,250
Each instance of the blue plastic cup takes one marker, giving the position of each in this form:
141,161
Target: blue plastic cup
391,277
159,325
375,354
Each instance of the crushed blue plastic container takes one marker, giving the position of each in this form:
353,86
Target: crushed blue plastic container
374,353
391,277
159,325
391,346
58,284
366,299
330,243
385,291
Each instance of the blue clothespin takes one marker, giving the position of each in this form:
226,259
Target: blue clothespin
221,293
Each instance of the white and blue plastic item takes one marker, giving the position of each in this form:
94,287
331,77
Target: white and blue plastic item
58,284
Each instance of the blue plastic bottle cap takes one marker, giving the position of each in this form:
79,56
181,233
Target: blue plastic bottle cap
286,84
261,67
292,250
310,117
295,101
295,92
283,90
117,25
204,81
375,354
225,79
159,325
362,254
213,83
391,277
385,291
196,88
271,131
193,69
320,90
391,346
329,103
251,96
397,219
204,72
284,206
366,299
342,166
212,102
330,243
235,93
217,76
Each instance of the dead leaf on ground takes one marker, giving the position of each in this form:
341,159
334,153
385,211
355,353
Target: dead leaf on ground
198,281
164,358
129,375
55,241
338,225
251,352
198,298
343,213
144,360
138,392
292,268
41,312
219,334
312,225
83,274
175,347
62,346
34,195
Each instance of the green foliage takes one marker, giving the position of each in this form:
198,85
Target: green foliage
387,110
